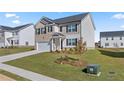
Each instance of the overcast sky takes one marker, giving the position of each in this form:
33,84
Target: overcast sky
104,21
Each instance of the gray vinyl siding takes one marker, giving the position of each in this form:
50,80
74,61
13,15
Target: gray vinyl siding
88,32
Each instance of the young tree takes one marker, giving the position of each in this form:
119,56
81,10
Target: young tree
81,46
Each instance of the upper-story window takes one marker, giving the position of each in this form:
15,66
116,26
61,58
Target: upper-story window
72,28
50,29
43,30
38,31
14,33
120,38
61,28
112,38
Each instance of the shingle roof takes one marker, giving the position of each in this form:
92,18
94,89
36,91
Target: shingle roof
111,33
48,20
6,28
70,18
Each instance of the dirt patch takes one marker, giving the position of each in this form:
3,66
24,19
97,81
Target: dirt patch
71,61
77,64
5,78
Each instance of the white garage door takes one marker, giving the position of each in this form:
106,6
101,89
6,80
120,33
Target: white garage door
43,46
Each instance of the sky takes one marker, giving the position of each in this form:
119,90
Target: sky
104,21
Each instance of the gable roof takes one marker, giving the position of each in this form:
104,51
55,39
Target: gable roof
73,18
46,20
6,28
111,33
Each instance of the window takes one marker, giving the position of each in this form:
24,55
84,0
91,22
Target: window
106,38
61,28
71,42
71,28
120,38
121,44
16,33
38,31
50,29
106,44
26,43
112,38
16,41
43,31
13,33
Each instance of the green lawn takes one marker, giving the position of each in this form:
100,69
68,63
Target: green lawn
44,64
13,76
7,51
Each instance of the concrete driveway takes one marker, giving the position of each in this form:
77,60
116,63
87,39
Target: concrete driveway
18,55
21,72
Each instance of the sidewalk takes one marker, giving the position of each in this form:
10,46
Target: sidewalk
25,73
21,72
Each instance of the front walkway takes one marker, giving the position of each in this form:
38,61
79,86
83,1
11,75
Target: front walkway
21,72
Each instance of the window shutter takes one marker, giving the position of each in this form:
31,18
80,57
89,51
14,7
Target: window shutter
76,40
67,28
60,28
48,28
51,28
41,32
45,29
76,27
67,42
36,31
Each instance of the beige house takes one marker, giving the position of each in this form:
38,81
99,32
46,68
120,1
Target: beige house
52,35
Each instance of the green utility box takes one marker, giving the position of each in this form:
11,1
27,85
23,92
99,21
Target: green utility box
93,69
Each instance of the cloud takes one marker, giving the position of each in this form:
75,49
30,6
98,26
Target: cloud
14,16
16,22
118,16
122,26
9,15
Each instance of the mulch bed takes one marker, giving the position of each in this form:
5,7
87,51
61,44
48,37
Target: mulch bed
75,62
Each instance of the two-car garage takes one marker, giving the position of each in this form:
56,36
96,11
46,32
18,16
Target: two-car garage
43,46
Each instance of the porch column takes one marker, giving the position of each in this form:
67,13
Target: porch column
51,45
60,43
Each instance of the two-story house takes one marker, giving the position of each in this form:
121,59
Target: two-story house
52,35
23,35
112,39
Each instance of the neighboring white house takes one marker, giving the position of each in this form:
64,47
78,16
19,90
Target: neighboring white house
17,36
113,39
52,35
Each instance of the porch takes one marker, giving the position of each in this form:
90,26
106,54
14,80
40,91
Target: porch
57,41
